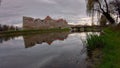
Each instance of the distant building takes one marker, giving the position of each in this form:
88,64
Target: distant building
47,23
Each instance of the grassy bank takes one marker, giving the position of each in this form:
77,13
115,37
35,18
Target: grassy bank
110,41
111,50
24,32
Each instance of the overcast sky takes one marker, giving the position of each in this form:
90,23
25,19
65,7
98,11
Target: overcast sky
12,11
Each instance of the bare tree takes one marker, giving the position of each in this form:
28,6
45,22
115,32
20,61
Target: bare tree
115,8
100,6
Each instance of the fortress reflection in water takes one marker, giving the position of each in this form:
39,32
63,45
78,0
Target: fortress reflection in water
49,38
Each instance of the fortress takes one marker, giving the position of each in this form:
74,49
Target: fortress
47,23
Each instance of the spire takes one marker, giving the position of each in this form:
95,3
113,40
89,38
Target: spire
48,18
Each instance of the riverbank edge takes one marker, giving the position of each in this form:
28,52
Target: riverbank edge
27,32
110,50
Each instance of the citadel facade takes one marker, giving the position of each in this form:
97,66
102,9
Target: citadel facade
47,23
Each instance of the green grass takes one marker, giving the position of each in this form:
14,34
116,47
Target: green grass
27,32
111,49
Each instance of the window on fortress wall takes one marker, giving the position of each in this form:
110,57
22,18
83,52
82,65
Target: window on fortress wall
42,20
59,27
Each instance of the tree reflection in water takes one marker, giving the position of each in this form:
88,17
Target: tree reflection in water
6,38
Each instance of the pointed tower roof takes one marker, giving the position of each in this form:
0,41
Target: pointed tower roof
48,18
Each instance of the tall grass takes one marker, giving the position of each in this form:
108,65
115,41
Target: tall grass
95,41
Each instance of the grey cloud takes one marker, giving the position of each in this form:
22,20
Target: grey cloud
47,1
13,10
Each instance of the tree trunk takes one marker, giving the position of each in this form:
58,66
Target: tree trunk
109,18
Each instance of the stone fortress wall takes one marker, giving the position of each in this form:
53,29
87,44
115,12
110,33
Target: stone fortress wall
47,23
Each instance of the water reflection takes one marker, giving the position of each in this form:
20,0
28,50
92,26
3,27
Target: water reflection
49,38
6,38
32,40
67,51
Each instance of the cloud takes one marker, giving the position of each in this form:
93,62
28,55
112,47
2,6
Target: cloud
47,1
11,11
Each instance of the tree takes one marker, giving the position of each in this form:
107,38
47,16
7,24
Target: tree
11,28
115,8
5,27
103,20
0,27
100,7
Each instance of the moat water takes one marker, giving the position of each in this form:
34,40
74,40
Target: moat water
49,50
